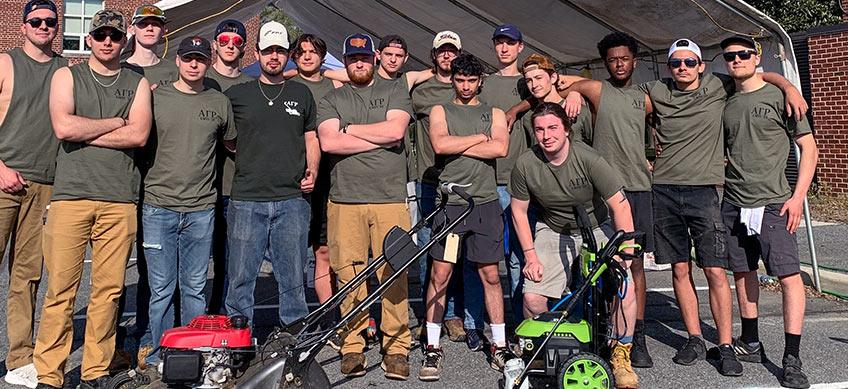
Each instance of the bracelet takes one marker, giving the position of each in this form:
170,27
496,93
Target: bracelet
530,249
344,129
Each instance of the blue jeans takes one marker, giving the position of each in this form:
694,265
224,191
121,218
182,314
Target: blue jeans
465,290
514,254
177,247
281,229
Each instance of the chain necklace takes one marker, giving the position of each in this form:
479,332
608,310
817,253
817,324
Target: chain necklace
90,70
270,101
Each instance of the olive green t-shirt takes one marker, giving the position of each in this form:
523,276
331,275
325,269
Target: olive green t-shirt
162,74
583,179
424,97
91,172
689,130
504,92
270,139
181,174
374,176
468,120
226,160
758,135
619,134
27,141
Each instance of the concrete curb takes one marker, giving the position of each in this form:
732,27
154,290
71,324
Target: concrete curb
830,280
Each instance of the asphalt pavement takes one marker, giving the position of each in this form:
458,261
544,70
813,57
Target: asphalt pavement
823,349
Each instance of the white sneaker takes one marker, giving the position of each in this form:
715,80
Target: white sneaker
651,264
25,376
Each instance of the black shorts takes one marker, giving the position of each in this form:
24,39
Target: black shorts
775,245
318,223
687,215
481,234
642,208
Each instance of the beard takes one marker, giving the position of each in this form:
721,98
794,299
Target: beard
360,78
271,72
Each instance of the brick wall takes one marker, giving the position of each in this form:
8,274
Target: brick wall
829,87
252,27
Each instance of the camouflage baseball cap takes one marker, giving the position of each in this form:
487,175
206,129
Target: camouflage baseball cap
108,18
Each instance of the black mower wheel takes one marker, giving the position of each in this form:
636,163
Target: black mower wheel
123,380
585,371
313,378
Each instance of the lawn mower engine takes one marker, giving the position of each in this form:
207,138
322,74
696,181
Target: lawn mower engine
207,353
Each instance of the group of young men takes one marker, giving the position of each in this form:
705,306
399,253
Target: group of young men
193,157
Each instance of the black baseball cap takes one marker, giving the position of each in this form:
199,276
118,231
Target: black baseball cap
739,40
231,25
358,44
33,5
392,39
195,45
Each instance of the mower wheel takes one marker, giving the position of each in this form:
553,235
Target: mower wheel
128,379
586,371
313,377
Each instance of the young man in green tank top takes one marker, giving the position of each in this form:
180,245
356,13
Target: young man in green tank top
101,113
361,127
308,54
618,112
467,136
147,29
229,44
27,166
760,210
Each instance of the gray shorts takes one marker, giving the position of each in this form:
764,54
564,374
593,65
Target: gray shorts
775,245
557,252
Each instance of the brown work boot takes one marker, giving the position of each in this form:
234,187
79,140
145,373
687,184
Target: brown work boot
455,329
624,375
141,356
396,366
353,365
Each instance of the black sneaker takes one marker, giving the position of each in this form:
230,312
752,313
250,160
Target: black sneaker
639,356
793,377
693,350
728,365
101,382
746,353
431,367
473,340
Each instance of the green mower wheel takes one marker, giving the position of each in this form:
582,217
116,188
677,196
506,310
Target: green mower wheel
587,371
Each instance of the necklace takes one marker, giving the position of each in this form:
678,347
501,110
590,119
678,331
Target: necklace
270,101
90,70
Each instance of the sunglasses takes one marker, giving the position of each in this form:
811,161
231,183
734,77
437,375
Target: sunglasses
100,35
224,40
744,55
675,63
193,57
150,11
36,22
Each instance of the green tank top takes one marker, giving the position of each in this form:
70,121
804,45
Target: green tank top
91,172
424,97
27,142
466,120
619,134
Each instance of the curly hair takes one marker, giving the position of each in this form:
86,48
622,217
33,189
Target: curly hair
467,65
617,39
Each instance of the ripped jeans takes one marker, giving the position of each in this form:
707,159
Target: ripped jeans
177,247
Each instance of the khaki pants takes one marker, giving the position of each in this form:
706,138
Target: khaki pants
351,230
71,224
21,218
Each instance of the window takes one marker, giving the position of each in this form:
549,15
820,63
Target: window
78,14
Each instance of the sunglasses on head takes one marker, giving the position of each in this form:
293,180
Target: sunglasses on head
224,40
744,55
36,22
675,63
100,35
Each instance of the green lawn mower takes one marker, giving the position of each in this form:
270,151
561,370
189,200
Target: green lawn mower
566,344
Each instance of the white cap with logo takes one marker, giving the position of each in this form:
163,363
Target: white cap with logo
447,37
273,34
684,44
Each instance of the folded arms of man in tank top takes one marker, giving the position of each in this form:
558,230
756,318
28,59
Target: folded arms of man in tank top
482,146
358,138
115,132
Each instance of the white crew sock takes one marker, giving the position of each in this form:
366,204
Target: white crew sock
434,332
499,334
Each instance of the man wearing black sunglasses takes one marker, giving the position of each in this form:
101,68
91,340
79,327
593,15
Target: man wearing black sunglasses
687,176
760,210
101,114
27,165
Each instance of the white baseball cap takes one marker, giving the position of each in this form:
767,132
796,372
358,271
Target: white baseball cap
684,44
447,37
273,34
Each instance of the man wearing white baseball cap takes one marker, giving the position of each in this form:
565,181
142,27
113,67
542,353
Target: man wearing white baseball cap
687,179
